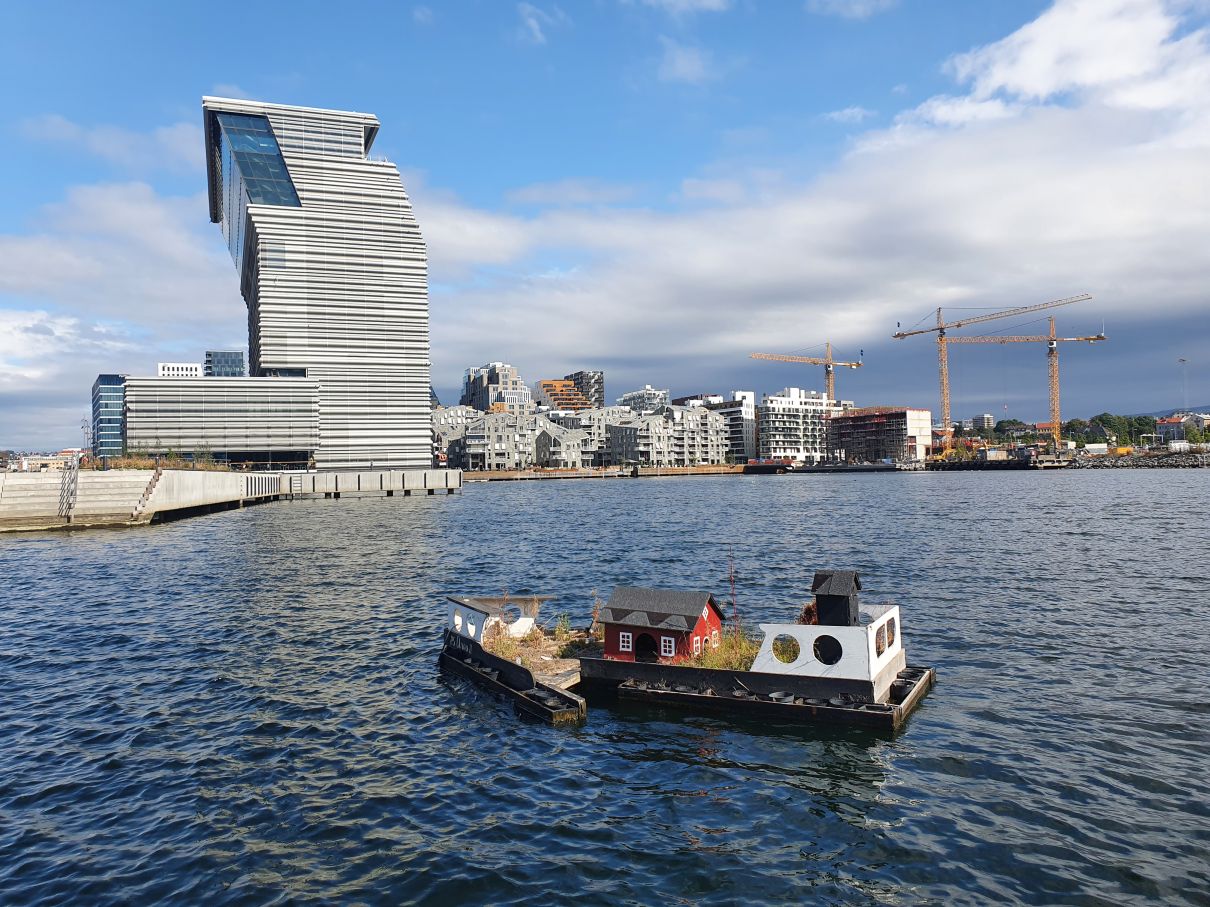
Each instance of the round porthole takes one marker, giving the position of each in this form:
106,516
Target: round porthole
828,650
785,649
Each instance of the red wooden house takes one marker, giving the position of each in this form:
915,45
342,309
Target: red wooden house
659,624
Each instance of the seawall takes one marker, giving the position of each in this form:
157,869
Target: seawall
133,497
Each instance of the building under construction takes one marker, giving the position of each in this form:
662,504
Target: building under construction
880,433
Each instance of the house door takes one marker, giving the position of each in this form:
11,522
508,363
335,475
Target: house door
645,648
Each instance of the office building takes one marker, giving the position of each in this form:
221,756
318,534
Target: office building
591,384
108,415
264,421
224,364
333,270
179,370
880,433
984,422
496,387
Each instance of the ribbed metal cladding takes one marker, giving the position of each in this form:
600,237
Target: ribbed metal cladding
188,415
338,286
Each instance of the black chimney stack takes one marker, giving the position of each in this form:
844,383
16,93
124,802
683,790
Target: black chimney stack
836,597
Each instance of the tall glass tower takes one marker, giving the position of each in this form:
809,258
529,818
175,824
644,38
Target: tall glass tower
109,415
333,270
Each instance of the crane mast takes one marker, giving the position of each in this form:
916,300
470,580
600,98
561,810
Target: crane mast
944,340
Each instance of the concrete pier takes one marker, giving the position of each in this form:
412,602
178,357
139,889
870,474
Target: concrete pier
132,497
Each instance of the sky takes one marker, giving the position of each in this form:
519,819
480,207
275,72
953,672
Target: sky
656,188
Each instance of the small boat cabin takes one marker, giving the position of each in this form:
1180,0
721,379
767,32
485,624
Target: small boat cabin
659,625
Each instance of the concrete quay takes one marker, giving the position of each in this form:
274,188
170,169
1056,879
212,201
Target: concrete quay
134,497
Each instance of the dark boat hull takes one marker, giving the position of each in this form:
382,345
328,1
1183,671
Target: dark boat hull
468,659
680,687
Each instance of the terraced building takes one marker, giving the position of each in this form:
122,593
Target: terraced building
333,270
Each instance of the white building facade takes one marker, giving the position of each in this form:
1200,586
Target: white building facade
333,270
792,424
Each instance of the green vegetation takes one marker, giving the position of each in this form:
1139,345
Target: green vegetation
736,651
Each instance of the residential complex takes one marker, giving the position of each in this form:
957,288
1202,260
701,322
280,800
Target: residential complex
496,387
646,399
872,434
792,424
561,394
591,384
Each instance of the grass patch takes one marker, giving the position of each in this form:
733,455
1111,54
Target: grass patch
736,651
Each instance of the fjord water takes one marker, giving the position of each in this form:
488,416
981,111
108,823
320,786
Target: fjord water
246,708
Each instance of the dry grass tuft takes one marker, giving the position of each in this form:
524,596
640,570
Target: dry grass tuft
736,651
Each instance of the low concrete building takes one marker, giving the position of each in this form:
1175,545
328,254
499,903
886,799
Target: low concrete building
877,433
240,420
179,370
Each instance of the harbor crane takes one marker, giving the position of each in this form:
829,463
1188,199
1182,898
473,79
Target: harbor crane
943,340
829,365
1052,356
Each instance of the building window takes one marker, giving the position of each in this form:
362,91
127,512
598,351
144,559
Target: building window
697,645
714,638
667,646
625,642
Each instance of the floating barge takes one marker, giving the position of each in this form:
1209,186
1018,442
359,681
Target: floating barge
839,664
462,653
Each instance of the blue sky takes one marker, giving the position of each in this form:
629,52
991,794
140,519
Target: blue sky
655,187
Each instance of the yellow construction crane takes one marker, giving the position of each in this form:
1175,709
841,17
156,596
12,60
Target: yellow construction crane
828,363
943,340
1052,355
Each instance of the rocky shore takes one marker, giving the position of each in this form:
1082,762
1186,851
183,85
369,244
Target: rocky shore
1143,461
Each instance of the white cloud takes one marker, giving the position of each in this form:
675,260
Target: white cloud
688,7
850,9
850,115
229,90
997,199
684,63
571,192
422,15
535,22
176,147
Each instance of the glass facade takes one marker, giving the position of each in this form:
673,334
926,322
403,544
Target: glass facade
224,364
109,415
253,173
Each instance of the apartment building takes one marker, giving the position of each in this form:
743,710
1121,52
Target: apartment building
496,387
645,400
591,384
792,424
878,433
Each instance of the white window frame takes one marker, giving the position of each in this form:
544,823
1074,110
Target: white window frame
667,646
714,638
625,642
697,645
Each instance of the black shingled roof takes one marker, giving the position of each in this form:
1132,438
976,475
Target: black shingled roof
665,609
835,582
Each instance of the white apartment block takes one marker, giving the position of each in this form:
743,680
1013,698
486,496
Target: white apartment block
178,370
792,424
740,414
333,270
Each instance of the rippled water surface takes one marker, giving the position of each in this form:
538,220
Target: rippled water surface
245,707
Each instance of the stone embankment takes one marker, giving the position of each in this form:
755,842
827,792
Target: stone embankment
1144,461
